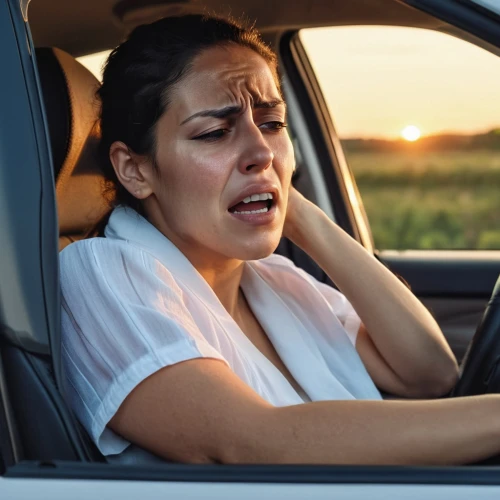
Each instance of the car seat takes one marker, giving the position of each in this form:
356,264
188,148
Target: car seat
72,112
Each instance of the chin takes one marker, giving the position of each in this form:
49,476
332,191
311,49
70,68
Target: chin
256,251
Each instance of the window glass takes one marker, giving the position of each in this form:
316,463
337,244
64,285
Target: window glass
418,114
95,62
493,5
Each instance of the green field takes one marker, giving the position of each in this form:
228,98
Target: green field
430,200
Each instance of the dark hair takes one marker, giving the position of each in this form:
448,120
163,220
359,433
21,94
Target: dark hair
139,74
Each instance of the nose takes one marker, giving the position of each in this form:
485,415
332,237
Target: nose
256,154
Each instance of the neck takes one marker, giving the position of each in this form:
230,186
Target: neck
225,282
223,274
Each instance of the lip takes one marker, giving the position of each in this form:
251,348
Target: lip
257,219
256,189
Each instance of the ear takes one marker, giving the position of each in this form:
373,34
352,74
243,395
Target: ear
131,169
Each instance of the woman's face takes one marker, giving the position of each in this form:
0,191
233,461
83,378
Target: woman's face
221,141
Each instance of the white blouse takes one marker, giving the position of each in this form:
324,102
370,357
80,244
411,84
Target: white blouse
132,304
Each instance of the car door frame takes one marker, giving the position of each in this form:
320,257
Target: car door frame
29,289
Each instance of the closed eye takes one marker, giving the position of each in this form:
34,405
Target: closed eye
212,136
273,126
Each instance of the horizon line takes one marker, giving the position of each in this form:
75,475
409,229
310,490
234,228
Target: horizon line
445,133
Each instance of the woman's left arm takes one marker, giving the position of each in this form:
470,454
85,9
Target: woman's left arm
399,341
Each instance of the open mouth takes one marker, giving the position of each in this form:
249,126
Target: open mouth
254,204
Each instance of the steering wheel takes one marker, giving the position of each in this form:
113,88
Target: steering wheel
480,368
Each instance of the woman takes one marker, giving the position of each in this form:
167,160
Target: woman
184,335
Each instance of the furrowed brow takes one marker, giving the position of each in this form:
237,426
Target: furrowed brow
233,110
268,104
215,113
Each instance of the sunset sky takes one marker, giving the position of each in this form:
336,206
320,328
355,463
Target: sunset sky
379,80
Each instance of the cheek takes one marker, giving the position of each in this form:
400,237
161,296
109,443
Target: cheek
208,175
192,179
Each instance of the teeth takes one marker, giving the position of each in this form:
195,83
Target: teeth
261,211
258,197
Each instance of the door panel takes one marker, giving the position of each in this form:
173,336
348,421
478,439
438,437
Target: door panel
455,286
458,319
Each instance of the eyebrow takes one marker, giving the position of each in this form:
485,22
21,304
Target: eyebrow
234,110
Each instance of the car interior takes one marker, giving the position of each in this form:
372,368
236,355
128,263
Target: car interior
37,424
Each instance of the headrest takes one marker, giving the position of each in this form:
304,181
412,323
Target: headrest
72,112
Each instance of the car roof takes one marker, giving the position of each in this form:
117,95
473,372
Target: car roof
93,25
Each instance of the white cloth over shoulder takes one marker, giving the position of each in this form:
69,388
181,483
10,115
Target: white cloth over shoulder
133,304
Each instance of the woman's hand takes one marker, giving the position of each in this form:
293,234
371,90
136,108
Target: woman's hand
292,211
298,211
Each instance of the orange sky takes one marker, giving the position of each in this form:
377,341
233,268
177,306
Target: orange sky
378,80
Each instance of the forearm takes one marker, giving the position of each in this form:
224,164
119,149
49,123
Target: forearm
400,327
444,432
199,411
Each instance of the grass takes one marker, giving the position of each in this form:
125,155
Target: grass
430,200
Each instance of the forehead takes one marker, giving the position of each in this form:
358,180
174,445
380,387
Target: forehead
221,76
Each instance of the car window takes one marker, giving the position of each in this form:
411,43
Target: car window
493,5
418,115
94,62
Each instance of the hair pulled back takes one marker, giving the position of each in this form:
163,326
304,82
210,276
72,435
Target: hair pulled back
140,73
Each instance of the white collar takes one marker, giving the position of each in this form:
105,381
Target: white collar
284,330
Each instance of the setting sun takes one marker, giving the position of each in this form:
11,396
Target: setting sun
411,133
